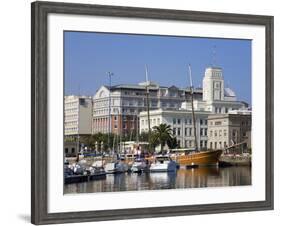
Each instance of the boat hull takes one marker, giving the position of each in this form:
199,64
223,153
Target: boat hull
199,158
235,160
164,167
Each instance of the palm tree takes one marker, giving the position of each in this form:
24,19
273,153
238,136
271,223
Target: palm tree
162,134
172,143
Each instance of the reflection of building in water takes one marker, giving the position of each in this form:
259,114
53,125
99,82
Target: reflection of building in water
236,176
226,130
213,177
197,178
202,177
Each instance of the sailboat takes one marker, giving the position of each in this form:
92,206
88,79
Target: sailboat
117,164
197,157
160,163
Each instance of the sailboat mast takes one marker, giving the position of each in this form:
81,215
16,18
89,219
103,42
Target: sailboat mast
137,129
192,108
147,107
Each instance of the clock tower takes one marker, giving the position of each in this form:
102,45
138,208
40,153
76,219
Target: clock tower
213,85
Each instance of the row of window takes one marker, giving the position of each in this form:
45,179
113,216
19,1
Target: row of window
137,103
219,133
101,111
218,145
69,110
161,93
116,111
125,126
137,93
190,143
69,150
71,123
152,121
71,129
189,132
188,121
72,117
71,104
221,110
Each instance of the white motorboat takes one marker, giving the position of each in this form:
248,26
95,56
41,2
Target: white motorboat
110,167
139,165
163,163
116,167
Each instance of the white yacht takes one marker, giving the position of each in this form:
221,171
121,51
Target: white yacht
116,167
139,165
110,167
163,163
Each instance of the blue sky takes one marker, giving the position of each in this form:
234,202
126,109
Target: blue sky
89,56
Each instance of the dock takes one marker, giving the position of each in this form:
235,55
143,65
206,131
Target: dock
70,179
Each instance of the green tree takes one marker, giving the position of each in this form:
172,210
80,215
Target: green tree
161,135
172,143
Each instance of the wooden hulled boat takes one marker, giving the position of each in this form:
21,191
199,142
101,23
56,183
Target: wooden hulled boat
197,157
200,158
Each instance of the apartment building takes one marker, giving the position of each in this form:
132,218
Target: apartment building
77,115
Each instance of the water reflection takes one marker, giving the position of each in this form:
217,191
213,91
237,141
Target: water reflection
183,178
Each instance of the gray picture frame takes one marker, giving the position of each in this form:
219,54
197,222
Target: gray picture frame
39,109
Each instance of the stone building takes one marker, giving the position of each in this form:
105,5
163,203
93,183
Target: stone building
226,130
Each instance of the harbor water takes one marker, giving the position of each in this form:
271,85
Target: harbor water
184,178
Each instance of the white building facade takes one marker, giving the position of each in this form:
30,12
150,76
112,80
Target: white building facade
77,115
225,130
182,125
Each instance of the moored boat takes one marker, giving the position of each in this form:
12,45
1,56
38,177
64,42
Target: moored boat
116,167
235,160
139,165
163,163
198,158
96,173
